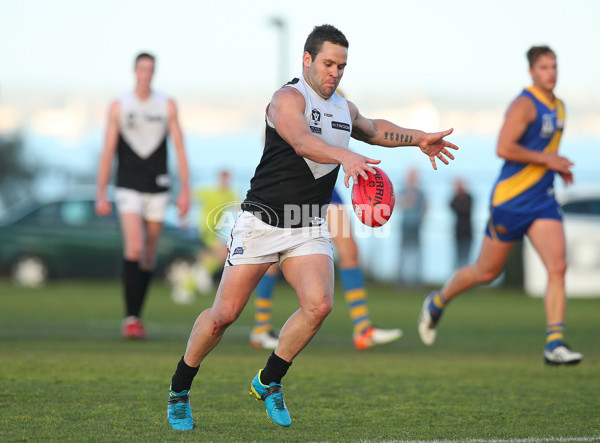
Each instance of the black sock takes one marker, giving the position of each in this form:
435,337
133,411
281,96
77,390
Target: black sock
275,369
183,377
131,282
144,281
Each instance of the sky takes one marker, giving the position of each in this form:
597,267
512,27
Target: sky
463,54
459,47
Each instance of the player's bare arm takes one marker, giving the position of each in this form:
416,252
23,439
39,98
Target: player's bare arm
183,200
111,138
286,112
519,115
387,134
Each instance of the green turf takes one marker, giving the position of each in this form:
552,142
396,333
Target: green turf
66,374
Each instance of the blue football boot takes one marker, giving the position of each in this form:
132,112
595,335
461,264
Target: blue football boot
272,395
179,411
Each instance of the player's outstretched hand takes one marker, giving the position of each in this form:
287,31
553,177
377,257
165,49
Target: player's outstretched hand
434,145
355,164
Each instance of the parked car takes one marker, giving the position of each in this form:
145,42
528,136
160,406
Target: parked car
581,215
66,239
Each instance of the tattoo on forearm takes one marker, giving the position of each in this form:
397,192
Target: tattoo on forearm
360,134
395,136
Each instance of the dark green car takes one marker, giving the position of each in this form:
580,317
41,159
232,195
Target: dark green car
66,239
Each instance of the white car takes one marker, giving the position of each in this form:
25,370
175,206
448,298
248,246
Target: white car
581,211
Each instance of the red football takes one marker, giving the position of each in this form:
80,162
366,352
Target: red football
373,199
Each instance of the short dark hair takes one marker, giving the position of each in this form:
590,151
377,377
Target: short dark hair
323,33
536,51
142,55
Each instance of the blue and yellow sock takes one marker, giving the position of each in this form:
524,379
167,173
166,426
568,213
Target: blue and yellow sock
356,297
263,304
555,335
437,305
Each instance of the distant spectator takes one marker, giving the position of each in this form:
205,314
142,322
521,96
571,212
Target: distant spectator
413,203
461,204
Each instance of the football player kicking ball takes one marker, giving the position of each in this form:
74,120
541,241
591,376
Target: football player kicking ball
523,203
282,220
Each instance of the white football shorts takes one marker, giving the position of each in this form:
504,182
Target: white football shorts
151,207
254,241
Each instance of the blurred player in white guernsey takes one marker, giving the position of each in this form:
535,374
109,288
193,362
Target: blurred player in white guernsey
282,221
139,124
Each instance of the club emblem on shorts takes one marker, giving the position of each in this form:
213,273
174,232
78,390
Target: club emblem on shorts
501,229
317,221
239,250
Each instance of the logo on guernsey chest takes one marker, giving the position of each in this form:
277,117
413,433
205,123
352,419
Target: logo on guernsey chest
341,126
547,126
315,121
154,118
131,120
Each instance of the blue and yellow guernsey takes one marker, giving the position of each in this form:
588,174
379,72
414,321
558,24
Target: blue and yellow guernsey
524,187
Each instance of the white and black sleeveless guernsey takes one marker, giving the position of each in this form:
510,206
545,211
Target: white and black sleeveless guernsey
288,190
142,148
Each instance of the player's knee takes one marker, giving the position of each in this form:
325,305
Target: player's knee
557,267
320,310
488,275
326,307
224,317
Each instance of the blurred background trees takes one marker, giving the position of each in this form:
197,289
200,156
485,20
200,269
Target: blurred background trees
17,173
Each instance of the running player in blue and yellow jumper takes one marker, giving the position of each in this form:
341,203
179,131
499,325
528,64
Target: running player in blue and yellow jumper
523,203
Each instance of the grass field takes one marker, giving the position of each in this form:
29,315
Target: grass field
67,375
